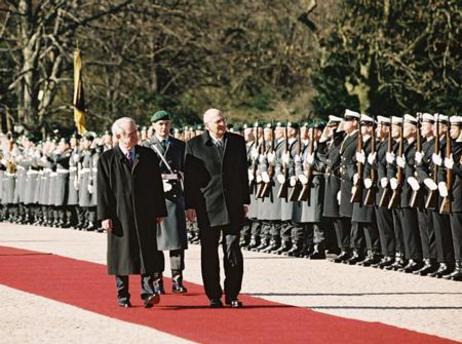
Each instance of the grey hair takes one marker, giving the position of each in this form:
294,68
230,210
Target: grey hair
117,126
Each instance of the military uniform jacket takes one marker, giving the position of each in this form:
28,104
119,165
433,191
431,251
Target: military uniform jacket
217,186
253,206
73,187
381,166
332,177
85,178
132,197
61,167
423,171
347,154
456,191
171,233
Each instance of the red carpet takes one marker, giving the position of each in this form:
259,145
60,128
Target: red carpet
86,285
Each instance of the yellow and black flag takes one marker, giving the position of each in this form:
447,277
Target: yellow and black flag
79,98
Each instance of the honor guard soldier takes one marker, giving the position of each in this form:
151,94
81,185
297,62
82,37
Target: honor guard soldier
171,233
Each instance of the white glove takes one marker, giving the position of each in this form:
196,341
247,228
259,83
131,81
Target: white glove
361,157
437,160
371,158
259,179
90,188
303,179
310,158
430,184
449,162
251,176
384,182
390,157
271,157
443,189
339,197
413,183
418,157
265,177
394,183
254,154
368,183
281,179
400,161
285,157
297,158
75,158
355,178
293,181
166,185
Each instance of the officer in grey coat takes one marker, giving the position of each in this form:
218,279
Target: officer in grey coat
171,233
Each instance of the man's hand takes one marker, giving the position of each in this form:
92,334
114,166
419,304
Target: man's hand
107,225
159,220
191,215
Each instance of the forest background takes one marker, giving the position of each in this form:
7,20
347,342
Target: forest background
259,59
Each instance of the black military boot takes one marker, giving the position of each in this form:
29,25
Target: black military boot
244,241
319,251
344,255
384,262
412,265
177,283
295,251
371,258
253,242
159,283
456,275
443,269
273,245
355,258
428,267
285,247
398,263
263,244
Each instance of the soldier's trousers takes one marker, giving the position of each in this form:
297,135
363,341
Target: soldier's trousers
342,226
365,232
256,229
411,234
286,231
398,230
385,227
427,233
456,227
443,238
246,230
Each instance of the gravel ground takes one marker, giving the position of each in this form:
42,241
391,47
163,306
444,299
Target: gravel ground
418,303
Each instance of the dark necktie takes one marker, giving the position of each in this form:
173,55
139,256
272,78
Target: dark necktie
164,144
128,155
220,147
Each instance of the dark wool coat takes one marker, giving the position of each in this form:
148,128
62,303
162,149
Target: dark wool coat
217,187
133,198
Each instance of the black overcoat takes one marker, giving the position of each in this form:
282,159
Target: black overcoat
132,198
216,187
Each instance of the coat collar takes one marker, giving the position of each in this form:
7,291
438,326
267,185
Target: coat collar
122,158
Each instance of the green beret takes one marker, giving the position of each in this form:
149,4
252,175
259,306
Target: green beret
293,125
89,135
160,116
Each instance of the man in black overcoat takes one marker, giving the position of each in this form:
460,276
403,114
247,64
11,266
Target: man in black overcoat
217,192
130,202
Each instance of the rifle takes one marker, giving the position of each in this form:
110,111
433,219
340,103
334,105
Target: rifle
446,204
432,197
266,188
305,193
356,192
394,200
371,192
284,188
415,193
254,166
386,196
297,188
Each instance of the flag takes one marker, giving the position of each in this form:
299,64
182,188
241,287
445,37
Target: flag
79,98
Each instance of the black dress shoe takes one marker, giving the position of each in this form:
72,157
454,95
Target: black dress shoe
234,303
151,300
443,269
124,304
411,266
216,303
429,267
354,259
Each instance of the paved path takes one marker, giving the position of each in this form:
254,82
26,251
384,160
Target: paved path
419,303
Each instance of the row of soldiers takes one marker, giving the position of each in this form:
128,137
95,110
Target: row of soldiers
381,192
384,192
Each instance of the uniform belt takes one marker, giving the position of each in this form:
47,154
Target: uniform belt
19,167
84,170
32,172
53,174
72,169
169,176
62,170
